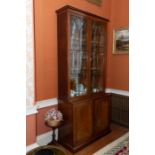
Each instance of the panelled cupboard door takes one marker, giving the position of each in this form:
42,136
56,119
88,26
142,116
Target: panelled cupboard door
101,114
83,121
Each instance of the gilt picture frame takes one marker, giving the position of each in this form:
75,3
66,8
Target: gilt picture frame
121,41
97,2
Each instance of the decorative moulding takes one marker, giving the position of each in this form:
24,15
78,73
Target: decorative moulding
117,91
30,147
31,110
46,103
54,101
29,54
41,104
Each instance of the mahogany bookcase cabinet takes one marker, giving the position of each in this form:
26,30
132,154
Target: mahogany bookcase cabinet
81,77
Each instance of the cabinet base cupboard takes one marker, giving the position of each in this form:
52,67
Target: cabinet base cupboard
81,77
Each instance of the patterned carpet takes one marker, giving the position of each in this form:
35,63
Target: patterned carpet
118,147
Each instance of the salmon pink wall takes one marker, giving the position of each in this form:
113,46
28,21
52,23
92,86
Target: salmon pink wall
118,65
46,41
30,129
41,127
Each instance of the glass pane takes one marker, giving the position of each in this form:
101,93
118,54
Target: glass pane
97,57
78,57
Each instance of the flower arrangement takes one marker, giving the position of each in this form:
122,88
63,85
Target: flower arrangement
53,114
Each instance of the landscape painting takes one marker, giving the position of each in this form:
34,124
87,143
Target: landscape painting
121,41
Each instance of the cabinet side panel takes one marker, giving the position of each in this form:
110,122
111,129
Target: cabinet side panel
62,55
66,130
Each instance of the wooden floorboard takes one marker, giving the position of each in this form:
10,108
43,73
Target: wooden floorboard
116,132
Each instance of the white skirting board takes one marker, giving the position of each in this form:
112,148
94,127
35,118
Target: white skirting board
30,147
45,138
42,140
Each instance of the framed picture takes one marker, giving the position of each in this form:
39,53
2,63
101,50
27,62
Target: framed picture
97,2
121,41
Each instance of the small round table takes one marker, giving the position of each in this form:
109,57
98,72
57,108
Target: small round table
53,128
47,150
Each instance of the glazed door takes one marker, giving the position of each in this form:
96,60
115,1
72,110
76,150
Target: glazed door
78,56
97,56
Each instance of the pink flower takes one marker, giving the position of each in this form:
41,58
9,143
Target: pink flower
53,114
